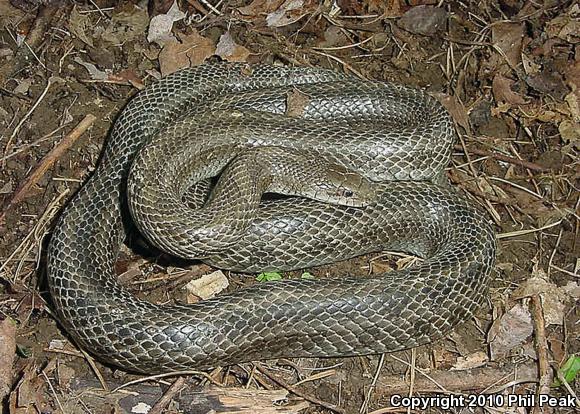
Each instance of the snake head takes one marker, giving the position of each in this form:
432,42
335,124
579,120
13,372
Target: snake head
346,187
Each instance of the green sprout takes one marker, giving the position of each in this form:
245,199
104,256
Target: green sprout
569,370
268,276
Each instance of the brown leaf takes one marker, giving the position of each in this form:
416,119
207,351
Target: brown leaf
566,26
473,360
455,108
28,393
570,133
229,50
507,40
191,50
548,82
259,8
509,331
277,13
10,14
128,76
423,20
502,91
128,22
553,298
290,12
79,25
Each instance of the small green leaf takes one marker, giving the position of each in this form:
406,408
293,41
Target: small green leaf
569,370
268,276
307,275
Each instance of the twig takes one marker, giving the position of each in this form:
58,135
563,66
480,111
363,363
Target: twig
168,374
457,382
413,368
212,7
50,81
346,46
527,164
551,260
164,401
527,231
53,392
542,352
95,369
48,161
365,404
342,62
35,36
33,237
197,6
301,394
32,144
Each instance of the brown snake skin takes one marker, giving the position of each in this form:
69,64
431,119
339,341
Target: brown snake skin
379,130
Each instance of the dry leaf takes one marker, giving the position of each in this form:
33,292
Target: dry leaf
28,393
474,360
507,39
570,133
530,67
566,26
553,297
509,331
11,15
333,36
503,93
128,22
289,12
549,83
191,50
423,20
277,13
161,25
65,375
79,24
227,49
23,86
296,102
259,8
455,108
94,72
128,76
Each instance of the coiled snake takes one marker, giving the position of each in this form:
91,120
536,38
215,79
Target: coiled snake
397,137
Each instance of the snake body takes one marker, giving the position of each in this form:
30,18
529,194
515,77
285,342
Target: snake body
397,137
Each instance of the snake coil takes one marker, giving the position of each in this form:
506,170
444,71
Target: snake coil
398,137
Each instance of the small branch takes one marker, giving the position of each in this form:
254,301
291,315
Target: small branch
164,401
301,394
541,343
50,81
35,36
526,164
48,160
488,379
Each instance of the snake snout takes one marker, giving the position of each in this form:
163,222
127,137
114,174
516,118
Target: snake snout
348,187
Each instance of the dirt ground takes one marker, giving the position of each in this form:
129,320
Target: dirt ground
507,70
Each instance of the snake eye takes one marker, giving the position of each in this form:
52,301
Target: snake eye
347,193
